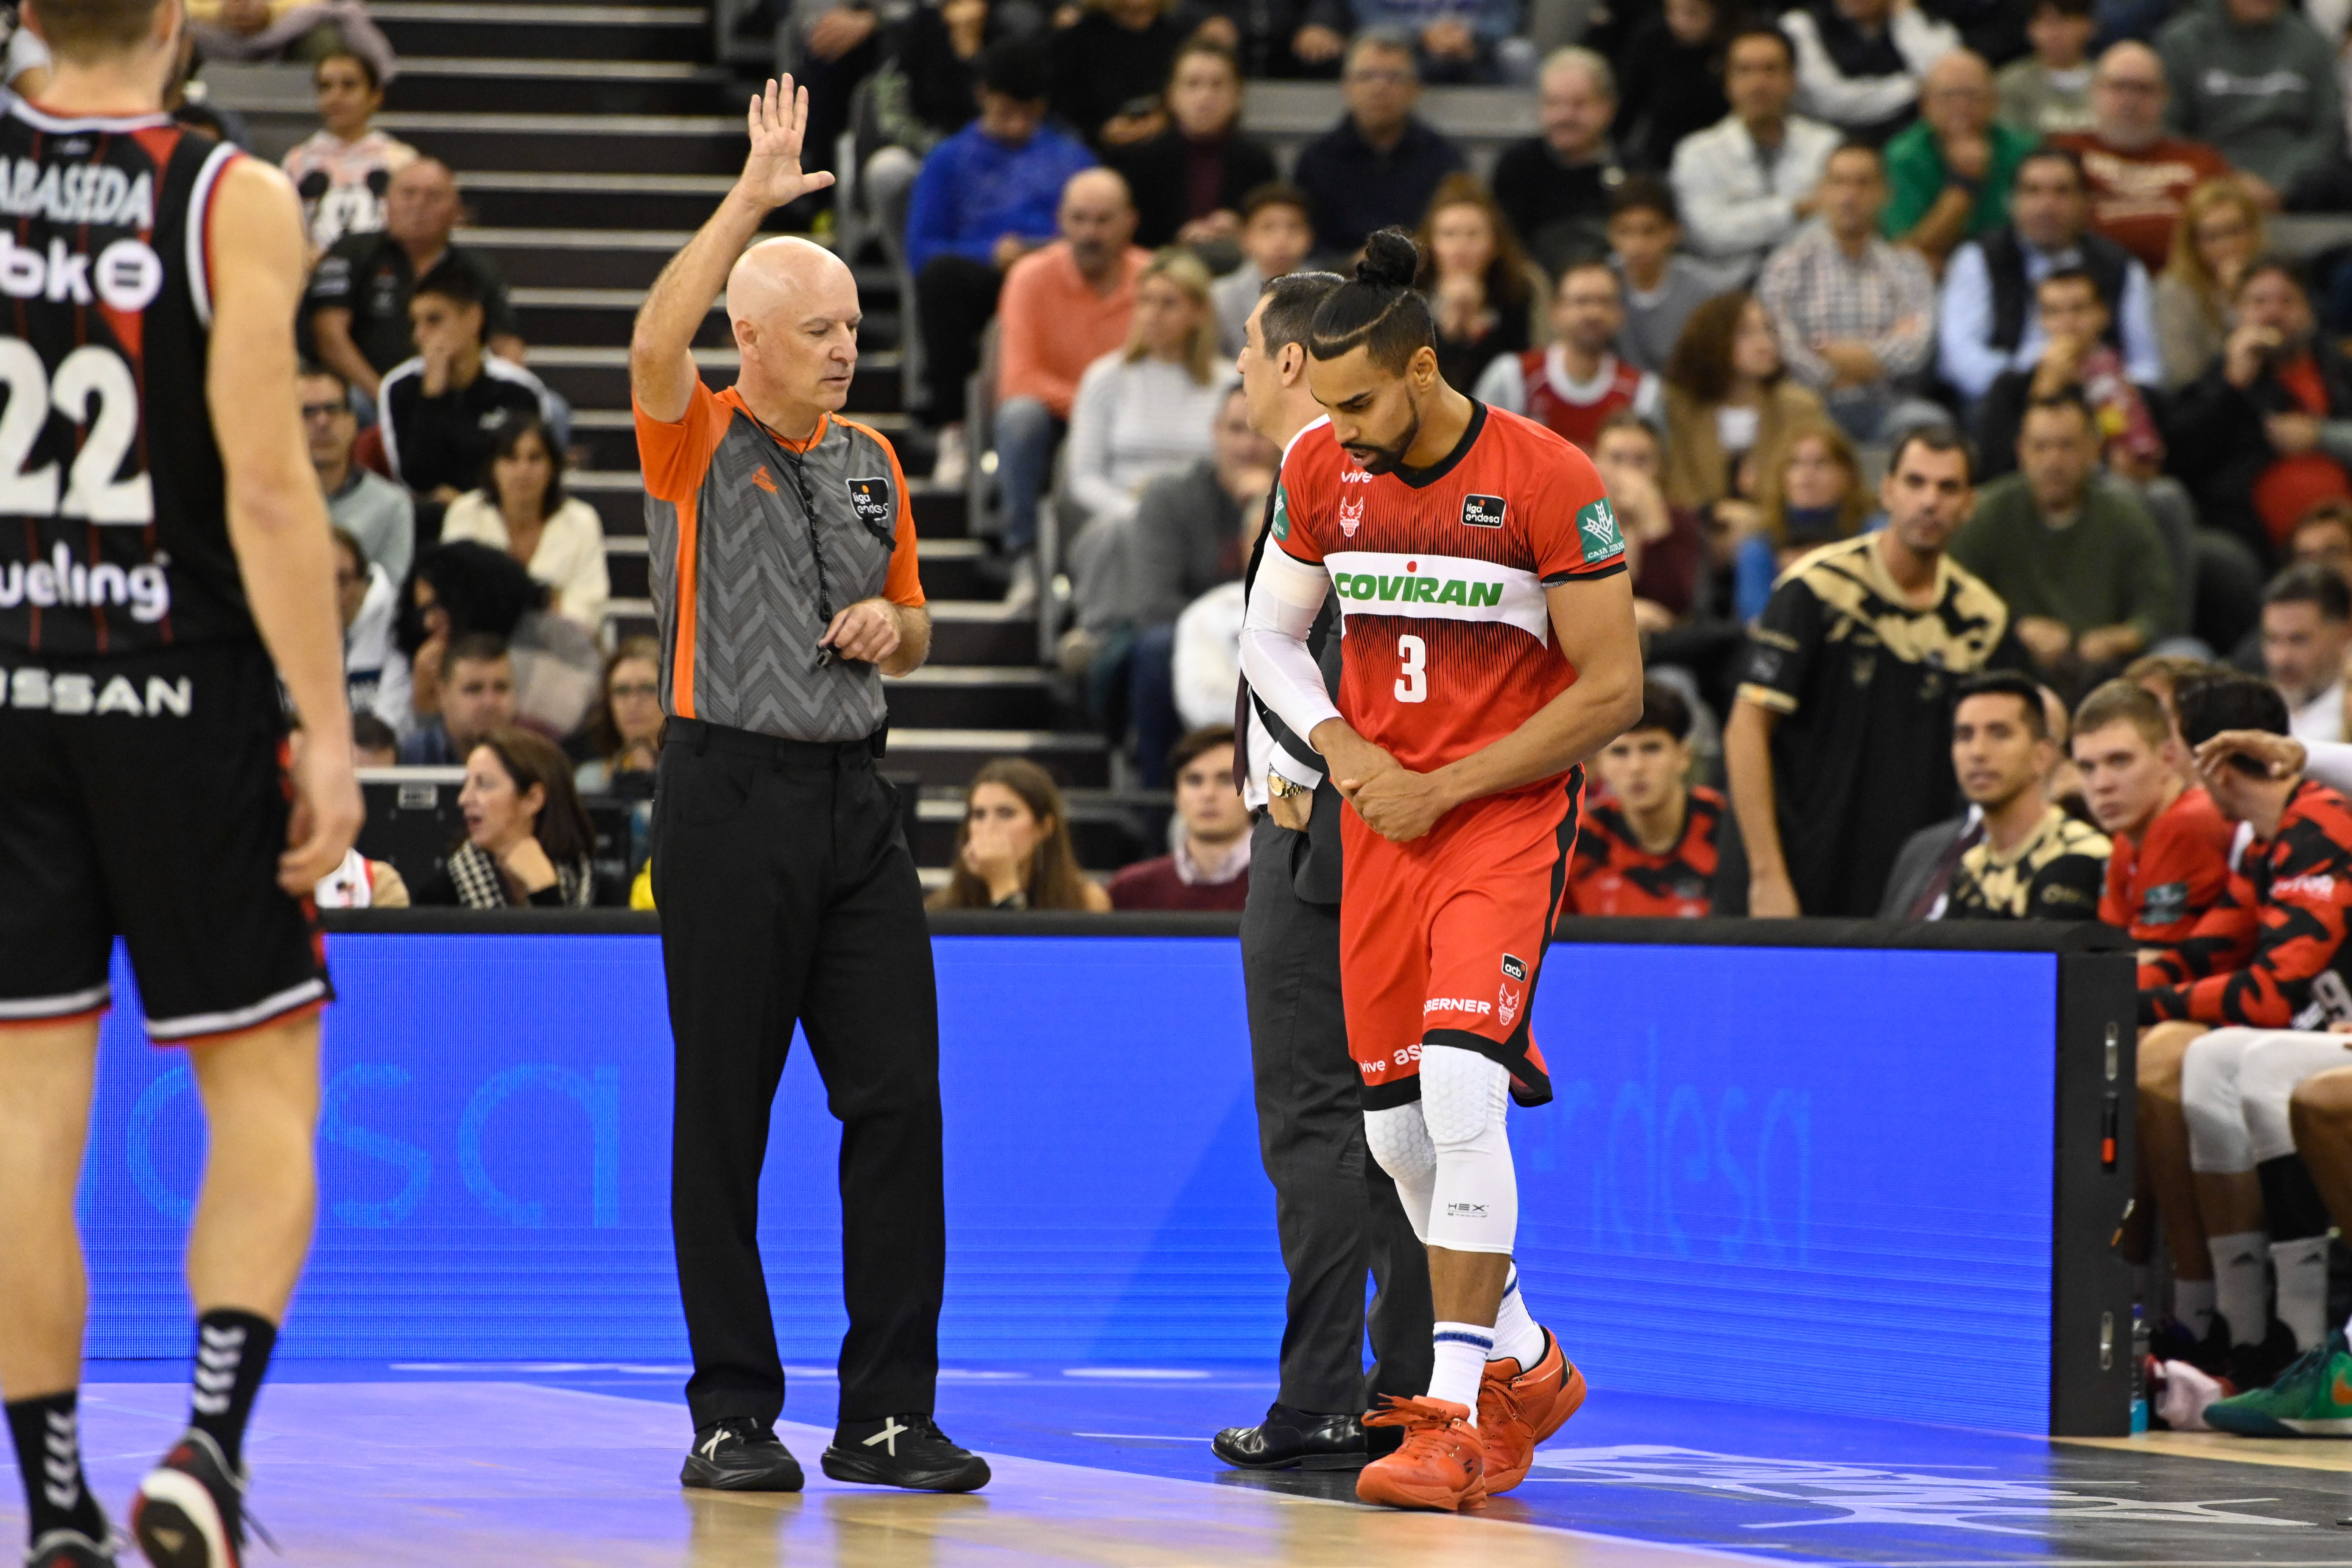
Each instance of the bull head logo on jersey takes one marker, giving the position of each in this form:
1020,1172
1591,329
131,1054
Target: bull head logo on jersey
1351,517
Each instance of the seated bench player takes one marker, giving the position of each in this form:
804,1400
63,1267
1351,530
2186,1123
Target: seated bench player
1646,845
2034,862
2171,856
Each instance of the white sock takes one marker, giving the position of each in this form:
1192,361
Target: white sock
2241,1285
1516,1333
2302,1268
1461,1354
2192,1305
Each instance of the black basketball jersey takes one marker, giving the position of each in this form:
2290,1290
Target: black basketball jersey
113,510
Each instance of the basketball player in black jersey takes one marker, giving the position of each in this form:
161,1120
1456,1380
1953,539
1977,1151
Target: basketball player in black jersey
164,564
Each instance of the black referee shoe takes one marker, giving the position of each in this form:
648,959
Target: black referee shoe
1292,1439
903,1451
741,1456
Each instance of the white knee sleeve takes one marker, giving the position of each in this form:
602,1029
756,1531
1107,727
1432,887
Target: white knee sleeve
1475,1205
2267,1075
2218,1143
1399,1142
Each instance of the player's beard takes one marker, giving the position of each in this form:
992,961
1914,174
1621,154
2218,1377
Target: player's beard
1376,459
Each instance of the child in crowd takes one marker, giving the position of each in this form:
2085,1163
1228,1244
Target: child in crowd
343,169
2049,91
1663,286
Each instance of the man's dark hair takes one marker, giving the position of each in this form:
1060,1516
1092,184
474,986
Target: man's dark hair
2075,275
1291,301
2008,683
1626,419
2047,153
1379,308
1936,438
2312,584
2272,261
310,368
473,647
81,29
1787,49
2063,8
1017,69
343,539
455,284
2068,396
1662,707
369,733
1587,261
1188,751
1278,194
2212,704
1877,159
1646,192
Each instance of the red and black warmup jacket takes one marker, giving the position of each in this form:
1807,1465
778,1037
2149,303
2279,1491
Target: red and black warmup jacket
2292,894
2160,884
1613,875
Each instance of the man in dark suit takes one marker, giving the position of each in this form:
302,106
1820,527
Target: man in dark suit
1336,1210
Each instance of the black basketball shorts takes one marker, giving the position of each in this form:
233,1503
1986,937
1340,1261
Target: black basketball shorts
145,796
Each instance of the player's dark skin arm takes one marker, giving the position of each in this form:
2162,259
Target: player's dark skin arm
1592,622
1748,758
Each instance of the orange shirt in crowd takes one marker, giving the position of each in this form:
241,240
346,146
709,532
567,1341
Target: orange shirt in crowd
2135,197
1051,324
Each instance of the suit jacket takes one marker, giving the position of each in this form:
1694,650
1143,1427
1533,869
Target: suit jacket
1314,853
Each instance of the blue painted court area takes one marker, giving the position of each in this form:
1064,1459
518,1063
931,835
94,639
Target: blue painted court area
1769,1485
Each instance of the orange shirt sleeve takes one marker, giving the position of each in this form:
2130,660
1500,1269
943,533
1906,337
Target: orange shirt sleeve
904,584
674,455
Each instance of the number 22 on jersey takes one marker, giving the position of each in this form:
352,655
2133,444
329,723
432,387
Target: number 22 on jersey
92,373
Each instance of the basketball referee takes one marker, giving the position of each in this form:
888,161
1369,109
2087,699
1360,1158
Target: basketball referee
783,560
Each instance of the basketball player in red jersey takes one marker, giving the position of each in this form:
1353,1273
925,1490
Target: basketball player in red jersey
164,566
1489,650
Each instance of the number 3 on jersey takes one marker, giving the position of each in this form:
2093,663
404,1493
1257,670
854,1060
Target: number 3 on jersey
1413,676
90,374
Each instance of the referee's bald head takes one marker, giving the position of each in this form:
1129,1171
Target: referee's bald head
795,308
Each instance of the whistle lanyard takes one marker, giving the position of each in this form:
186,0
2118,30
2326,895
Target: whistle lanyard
797,465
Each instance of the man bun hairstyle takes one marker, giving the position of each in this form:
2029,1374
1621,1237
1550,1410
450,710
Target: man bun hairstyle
1379,308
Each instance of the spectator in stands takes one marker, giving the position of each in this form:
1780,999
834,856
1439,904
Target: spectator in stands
1857,316
1835,744
2161,676
2219,234
1575,383
1812,494
927,90
375,672
1110,66
2033,861
2262,437
1949,174
1672,80
2140,178
1488,296
626,735
1659,287
2171,858
1014,851
1747,182
1666,550
1276,235
359,296
373,745
1189,180
474,688
1208,863
520,508
2047,92
298,31
2257,81
2086,576
1554,188
2306,629
1276,37
2077,359
1646,844
1990,320
440,407
839,45
466,587
369,507
987,196
1378,167
1065,308
1728,393
528,837
1859,61
343,169
2323,537
1456,41
1149,406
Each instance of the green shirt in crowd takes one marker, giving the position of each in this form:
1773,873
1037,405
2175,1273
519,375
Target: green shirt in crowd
2109,567
1914,178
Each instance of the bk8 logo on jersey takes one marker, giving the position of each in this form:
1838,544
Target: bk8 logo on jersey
126,275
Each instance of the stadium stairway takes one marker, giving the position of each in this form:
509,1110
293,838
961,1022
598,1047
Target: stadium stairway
590,139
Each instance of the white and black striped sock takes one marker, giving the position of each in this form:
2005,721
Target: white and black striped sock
231,1356
47,1432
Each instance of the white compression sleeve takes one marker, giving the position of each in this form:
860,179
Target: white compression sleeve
2329,762
1398,1140
1282,606
2219,1144
1475,1205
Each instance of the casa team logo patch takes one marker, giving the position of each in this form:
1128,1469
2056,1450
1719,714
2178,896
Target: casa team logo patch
1482,511
1281,512
1514,991
875,507
1598,523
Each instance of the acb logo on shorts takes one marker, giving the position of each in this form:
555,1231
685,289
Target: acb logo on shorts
1513,968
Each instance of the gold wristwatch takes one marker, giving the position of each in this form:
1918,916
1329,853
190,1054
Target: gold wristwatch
1282,788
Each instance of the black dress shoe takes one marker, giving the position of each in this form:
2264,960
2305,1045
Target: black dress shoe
1291,1439
741,1456
908,1451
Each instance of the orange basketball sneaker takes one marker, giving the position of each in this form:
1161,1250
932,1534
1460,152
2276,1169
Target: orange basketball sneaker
1518,1410
1440,1465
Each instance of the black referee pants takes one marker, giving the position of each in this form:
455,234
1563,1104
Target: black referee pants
788,895
1335,1210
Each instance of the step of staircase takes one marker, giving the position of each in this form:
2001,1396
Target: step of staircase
577,143
447,84
549,199
534,29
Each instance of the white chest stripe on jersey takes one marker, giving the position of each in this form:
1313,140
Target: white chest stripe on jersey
1439,588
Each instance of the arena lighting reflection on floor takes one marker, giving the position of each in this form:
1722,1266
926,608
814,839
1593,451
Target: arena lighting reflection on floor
573,1462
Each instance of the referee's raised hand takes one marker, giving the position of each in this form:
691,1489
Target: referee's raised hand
778,122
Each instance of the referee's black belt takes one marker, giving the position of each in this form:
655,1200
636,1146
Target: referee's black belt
700,736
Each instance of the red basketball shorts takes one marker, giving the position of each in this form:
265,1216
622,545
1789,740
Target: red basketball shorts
1441,940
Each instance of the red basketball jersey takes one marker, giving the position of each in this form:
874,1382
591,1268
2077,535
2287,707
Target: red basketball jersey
1441,572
